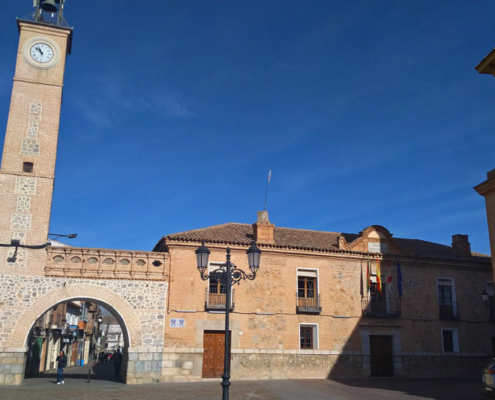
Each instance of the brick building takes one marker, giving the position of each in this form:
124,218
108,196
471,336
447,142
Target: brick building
487,187
309,312
36,277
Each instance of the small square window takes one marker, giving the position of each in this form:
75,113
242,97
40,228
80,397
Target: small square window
450,340
308,337
27,167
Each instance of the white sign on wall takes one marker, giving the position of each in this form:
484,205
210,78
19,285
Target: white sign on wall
377,247
177,323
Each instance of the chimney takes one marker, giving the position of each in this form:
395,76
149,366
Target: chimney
460,245
262,229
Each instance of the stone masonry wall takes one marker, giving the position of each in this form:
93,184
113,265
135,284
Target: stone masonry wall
24,298
184,365
140,305
445,366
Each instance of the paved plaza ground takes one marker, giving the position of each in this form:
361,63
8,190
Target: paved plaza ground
104,386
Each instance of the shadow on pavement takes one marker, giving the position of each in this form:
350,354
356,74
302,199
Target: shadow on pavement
96,372
432,388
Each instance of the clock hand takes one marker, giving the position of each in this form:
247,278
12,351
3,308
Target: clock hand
37,48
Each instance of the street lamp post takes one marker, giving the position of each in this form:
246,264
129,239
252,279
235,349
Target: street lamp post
229,275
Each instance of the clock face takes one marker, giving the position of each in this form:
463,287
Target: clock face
41,52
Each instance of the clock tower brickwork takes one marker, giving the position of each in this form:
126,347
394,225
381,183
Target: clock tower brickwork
28,163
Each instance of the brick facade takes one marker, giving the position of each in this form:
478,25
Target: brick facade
487,190
130,284
439,327
265,324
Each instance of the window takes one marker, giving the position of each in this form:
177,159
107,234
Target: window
215,293
374,292
491,305
215,286
446,298
308,337
379,302
308,299
450,340
490,289
27,167
306,287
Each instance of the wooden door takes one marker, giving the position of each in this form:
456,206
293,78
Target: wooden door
74,354
213,356
43,356
381,357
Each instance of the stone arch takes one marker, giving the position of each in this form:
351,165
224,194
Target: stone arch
120,308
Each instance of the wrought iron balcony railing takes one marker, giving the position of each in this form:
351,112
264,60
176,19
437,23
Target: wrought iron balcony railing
216,301
308,304
381,308
450,311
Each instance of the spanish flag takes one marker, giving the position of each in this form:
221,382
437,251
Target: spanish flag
378,277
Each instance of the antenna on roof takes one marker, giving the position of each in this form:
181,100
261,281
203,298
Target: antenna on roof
267,182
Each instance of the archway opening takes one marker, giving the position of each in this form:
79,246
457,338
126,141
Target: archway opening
92,334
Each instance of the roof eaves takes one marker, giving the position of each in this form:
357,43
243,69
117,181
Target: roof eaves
479,67
474,258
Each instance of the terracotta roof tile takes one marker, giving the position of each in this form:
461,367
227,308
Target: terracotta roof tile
235,233
242,234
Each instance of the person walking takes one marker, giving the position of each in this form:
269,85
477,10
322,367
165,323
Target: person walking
61,364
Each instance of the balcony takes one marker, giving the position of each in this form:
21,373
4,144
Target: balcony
216,301
450,311
308,304
381,308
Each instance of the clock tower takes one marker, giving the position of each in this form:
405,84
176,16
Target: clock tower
27,170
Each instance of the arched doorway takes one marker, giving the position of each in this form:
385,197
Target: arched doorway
89,335
61,333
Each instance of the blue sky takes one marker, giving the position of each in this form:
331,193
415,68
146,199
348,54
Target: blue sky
368,112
